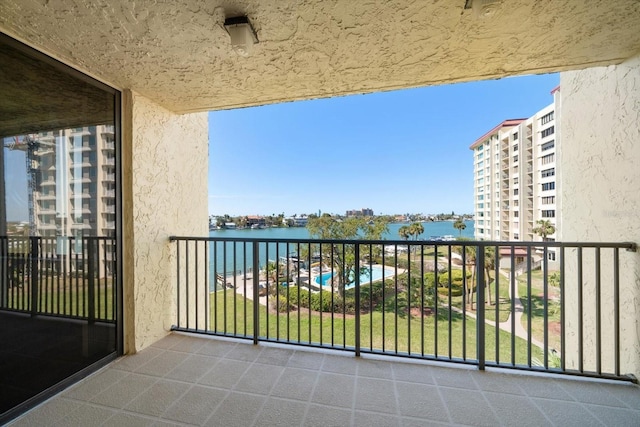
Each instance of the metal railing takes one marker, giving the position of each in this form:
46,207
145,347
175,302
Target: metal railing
415,299
59,276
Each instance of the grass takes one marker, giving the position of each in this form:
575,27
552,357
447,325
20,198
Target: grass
537,301
67,300
380,331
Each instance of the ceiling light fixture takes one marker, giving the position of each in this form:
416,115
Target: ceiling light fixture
242,34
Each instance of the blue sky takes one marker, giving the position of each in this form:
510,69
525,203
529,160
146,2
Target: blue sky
394,152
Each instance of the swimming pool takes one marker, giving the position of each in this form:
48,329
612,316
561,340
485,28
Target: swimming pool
367,276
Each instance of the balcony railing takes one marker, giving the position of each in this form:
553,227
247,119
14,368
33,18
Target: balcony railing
62,277
414,299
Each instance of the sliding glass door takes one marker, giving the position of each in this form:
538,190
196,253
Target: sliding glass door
59,222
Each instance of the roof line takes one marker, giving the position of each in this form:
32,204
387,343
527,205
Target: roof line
505,123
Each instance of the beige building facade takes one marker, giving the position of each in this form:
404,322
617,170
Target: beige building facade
515,178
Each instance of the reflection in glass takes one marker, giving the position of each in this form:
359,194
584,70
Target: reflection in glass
57,224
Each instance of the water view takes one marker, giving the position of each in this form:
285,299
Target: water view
230,257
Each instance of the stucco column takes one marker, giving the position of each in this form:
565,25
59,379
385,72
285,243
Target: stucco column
599,161
164,163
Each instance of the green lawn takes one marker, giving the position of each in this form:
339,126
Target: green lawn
69,301
537,308
379,331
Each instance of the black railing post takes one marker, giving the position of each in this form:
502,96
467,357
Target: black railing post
357,302
4,272
33,274
256,292
480,326
91,267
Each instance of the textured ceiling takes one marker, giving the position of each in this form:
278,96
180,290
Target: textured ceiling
177,53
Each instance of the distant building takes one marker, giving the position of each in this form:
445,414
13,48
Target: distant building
72,187
361,212
299,221
256,221
515,177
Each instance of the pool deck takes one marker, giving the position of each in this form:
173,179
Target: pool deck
306,277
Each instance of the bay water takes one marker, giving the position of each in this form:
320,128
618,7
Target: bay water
221,255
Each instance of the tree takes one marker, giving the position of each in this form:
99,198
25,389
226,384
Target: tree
489,265
544,229
471,260
416,229
459,225
340,255
404,232
413,230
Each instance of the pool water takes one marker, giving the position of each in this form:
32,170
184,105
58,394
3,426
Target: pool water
376,273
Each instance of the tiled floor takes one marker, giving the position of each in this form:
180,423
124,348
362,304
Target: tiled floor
187,380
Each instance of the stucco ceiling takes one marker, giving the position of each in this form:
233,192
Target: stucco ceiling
177,53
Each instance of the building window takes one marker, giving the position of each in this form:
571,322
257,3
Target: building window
516,214
546,118
548,172
548,145
549,158
548,186
515,147
516,191
515,158
548,131
515,136
549,213
516,236
515,180
551,256
549,200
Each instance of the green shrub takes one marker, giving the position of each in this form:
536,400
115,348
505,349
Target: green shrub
281,304
349,305
456,285
321,301
299,301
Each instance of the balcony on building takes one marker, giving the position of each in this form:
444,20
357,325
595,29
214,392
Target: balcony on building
197,347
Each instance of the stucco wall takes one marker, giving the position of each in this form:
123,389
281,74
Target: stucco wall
600,199
165,160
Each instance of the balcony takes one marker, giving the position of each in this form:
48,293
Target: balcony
80,180
411,299
80,148
184,379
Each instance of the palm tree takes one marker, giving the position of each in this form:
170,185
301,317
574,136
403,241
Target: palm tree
459,225
470,260
404,232
416,229
544,229
489,264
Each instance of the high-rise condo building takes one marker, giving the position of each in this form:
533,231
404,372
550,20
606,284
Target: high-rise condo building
515,178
